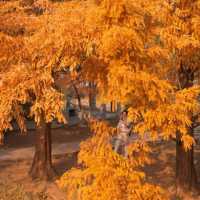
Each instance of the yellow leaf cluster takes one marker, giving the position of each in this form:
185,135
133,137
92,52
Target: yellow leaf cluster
104,174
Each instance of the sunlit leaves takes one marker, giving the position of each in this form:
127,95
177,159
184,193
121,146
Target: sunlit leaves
107,175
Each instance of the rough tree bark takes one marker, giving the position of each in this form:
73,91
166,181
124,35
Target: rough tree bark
186,178
42,162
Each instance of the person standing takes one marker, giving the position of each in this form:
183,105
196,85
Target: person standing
124,129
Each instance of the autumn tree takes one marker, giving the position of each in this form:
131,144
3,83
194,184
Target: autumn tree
179,32
131,68
117,44
130,65
29,63
20,84
173,63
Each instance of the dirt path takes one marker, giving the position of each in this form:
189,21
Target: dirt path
16,158
28,152
65,140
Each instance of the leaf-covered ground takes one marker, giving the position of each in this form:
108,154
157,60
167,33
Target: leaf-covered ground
14,179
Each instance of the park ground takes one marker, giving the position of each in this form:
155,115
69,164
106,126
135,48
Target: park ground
16,157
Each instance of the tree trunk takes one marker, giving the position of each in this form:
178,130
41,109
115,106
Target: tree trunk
103,111
78,96
92,97
118,107
113,106
186,178
42,162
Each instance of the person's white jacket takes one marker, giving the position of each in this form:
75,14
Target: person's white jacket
124,128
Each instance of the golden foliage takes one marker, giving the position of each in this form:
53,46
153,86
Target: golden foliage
140,52
133,51
180,20
104,174
29,59
138,70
